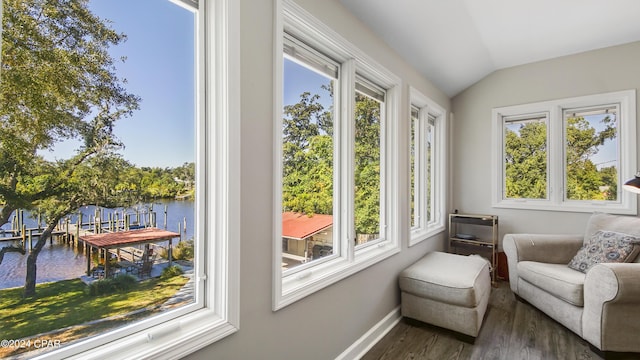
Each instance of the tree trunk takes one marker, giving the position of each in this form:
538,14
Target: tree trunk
30,281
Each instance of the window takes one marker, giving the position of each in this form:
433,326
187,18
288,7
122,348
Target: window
413,161
591,153
369,118
525,156
211,311
308,140
569,154
427,175
333,152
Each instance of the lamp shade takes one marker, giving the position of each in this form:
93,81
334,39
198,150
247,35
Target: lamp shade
633,185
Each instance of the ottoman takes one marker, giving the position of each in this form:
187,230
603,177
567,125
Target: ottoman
447,290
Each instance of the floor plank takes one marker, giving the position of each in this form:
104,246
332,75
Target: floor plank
511,330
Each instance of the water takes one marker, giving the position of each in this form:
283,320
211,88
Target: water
55,262
58,261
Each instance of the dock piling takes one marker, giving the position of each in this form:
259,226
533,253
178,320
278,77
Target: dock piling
24,237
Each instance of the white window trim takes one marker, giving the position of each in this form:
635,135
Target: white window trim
215,314
384,146
291,288
425,229
627,204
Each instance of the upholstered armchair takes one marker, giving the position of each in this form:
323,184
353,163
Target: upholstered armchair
601,304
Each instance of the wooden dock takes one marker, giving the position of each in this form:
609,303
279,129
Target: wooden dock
67,231
20,237
73,232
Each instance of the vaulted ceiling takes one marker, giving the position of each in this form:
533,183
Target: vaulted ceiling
455,43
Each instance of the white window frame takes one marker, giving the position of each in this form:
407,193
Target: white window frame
215,312
291,286
372,90
425,228
556,198
314,61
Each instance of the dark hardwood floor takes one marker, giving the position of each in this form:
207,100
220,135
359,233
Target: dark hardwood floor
512,330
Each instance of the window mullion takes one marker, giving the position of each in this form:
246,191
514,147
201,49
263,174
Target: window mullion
347,158
422,120
384,186
430,153
417,174
428,169
437,168
556,155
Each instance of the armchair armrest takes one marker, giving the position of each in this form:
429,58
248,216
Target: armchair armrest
612,306
548,248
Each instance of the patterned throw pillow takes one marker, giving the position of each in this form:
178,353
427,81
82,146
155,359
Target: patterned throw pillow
606,247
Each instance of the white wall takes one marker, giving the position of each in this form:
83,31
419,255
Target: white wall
322,325
605,70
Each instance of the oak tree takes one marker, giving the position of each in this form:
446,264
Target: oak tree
59,83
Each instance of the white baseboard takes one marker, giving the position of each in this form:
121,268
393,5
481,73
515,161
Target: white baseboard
371,337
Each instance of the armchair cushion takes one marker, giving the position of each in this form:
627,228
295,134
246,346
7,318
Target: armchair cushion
556,279
549,248
606,247
601,221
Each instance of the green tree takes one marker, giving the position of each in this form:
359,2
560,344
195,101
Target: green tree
308,160
185,175
584,181
526,161
186,172
307,157
58,84
367,165
609,176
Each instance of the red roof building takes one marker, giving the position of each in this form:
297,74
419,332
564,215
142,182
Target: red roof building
299,226
131,237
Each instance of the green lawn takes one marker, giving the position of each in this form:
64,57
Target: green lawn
64,303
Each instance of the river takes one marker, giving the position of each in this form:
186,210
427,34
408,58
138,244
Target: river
58,261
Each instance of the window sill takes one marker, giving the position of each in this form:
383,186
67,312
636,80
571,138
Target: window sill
299,285
420,235
173,339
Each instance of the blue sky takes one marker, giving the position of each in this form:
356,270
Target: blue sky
298,79
160,69
607,153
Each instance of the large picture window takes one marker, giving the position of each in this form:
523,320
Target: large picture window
568,154
333,146
133,239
